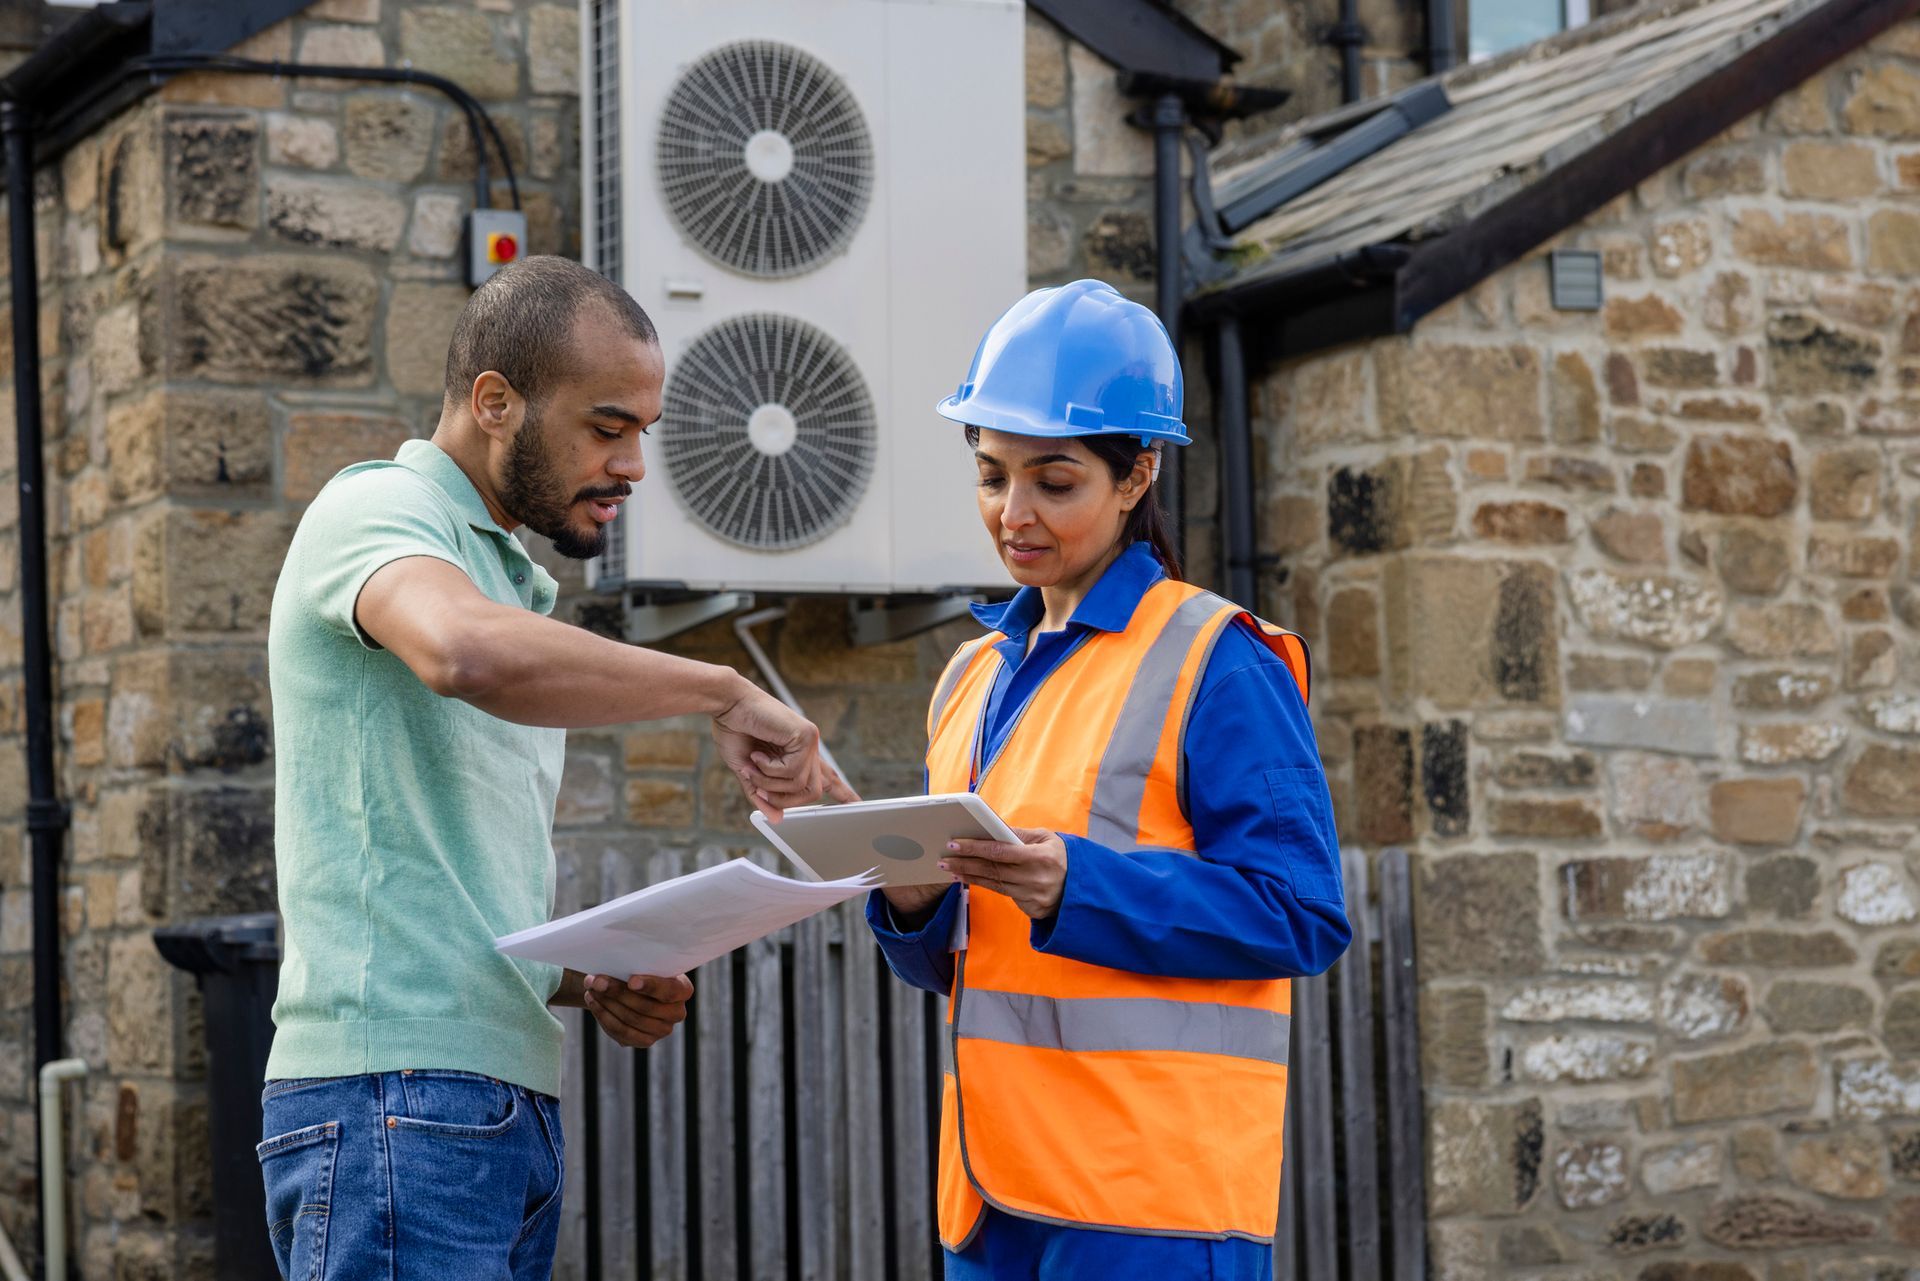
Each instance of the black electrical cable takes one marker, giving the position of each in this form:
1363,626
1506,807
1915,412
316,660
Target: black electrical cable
479,122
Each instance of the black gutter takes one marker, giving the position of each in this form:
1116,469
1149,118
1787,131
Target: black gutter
1169,123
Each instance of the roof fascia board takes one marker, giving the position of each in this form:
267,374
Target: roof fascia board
1447,266
1140,35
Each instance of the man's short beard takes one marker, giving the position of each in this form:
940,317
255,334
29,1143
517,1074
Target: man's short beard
533,493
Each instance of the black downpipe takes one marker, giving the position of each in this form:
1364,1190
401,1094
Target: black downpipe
1440,36
46,816
1169,125
1349,37
1236,465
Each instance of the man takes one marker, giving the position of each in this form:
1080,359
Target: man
421,698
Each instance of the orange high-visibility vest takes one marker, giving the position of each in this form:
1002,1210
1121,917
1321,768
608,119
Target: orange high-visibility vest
1075,1093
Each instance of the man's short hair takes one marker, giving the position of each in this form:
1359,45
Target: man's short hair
520,324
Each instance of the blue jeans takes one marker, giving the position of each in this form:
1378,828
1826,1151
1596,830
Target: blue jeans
1008,1248
427,1174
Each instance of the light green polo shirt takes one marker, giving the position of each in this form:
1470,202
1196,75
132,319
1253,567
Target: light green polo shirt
410,830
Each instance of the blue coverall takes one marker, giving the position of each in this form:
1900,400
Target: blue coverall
1264,901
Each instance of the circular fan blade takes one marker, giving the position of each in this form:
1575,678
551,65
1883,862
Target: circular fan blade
767,432
765,160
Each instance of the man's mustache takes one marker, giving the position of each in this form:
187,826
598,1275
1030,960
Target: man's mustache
609,491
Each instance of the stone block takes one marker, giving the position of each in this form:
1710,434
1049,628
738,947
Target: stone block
1047,141
1660,887
1723,171
658,748
317,446
1590,1174
1777,949
1807,356
1903,1149
1119,243
1853,556
1680,368
1757,811
220,851
1897,961
1586,1001
1884,782
1655,797
1443,777
1608,672
388,136
456,162
420,322
1523,770
586,790
1440,389
1525,522
1566,471
1698,1007
1390,505
1678,247
1681,1167
1764,1221
133,213
1874,1089
1104,144
1866,605
1797,630
1689,677
1678,726
208,571
1353,634
1782,690
1483,1158
1759,1079
654,802
1383,784
1556,819
1786,885
341,46
553,49
329,213
1829,171
463,46
143,1001
1635,1233
1885,102
1486,631
1873,662
1875,894
1586,1057
1803,1005
1646,316
1791,743
1046,64
271,319
1480,914
1652,609
1636,538
1735,475
1812,241
1454,1036
1755,561
1573,400
213,170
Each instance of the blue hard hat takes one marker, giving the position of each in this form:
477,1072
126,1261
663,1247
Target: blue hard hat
1074,360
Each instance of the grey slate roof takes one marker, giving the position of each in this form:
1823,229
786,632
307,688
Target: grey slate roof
1515,119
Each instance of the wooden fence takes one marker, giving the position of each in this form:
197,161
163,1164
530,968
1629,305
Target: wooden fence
788,1130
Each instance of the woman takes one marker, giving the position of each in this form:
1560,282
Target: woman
1116,1088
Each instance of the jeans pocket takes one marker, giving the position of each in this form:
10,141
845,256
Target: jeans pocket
297,1169
454,1105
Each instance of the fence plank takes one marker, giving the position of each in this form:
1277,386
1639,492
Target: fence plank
664,1143
814,1102
912,1190
712,1049
1358,1114
619,1187
765,1140
1318,1224
1406,1192
866,1238
570,1254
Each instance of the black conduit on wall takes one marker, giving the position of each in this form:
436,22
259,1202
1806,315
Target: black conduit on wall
1169,126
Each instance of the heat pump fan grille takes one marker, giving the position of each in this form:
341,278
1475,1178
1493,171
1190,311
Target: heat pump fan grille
768,432
765,160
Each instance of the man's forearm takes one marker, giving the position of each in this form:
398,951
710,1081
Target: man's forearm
536,671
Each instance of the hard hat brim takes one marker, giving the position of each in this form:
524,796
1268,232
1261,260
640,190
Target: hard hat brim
971,412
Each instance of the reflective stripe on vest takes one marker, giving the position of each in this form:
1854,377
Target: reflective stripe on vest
1075,1093
1092,1025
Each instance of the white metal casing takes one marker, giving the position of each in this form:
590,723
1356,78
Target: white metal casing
940,252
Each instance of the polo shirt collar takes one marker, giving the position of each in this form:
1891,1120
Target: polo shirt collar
433,462
1109,607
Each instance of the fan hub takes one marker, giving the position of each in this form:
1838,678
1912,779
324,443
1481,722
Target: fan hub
772,429
769,155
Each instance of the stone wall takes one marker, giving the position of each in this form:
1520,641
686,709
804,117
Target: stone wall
1616,622
247,284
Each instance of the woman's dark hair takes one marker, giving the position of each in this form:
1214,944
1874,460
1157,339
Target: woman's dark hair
1147,522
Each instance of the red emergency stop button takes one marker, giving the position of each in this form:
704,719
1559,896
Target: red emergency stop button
502,247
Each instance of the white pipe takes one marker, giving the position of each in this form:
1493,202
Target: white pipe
53,1161
743,628
10,1266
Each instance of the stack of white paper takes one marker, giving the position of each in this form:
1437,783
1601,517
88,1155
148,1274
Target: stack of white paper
676,925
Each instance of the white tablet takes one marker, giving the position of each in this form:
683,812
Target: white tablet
903,839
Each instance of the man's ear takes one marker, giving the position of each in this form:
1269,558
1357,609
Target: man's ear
496,406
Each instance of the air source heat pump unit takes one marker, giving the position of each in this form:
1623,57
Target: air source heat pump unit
822,204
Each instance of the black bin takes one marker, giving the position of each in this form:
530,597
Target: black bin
236,960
